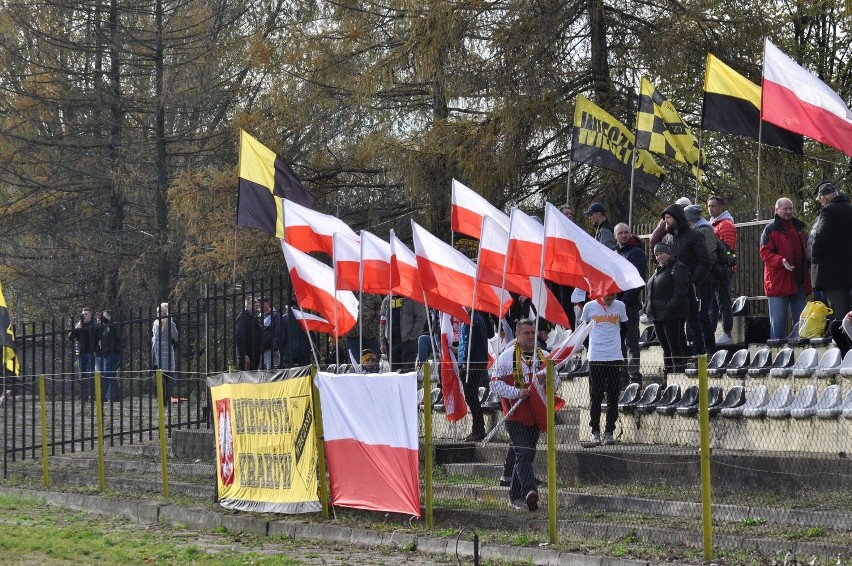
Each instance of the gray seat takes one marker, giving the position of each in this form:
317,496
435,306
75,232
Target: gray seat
760,363
649,397
829,404
714,399
739,363
689,399
492,402
779,404
648,337
846,407
755,402
580,371
782,362
829,363
806,363
667,402
740,306
714,365
734,399
629,396
846,364
804,405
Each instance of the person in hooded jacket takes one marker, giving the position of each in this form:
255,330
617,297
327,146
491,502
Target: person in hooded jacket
831,260
667,306
705,290
631,249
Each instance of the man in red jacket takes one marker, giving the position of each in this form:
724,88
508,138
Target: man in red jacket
725,230
786,274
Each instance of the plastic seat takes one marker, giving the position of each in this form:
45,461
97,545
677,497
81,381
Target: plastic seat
829,363
828,406
580,371
793,338
756,401
846,407
739,363
492,402
648,337
734,399
804,405
846,364
714,399
629,396
689,396
649,396
420,395
740,306
669,398
331,369
714,365
779,404
782,362
806,363
760,363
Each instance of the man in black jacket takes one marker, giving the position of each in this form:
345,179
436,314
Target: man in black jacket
831,254
247,336
603,227
631,249
109,350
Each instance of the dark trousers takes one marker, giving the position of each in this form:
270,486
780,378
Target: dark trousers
838,300
630,342
843,342
673,342
604,377
478,377
524,439
403,355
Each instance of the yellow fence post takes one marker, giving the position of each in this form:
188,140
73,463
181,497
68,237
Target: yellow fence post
99,412
551,451
161,412
318,430
704,422
427,441
43,406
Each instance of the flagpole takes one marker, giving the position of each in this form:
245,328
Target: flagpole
361,300
700,153
759,144
568,184
632,173
336,300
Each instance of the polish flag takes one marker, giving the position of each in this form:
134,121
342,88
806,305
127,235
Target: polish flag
310,231
449,278
571,343
468,208
405,280
376,264
455,405
526,238
796,100
311,322
371,440
572,257
313,283
347,263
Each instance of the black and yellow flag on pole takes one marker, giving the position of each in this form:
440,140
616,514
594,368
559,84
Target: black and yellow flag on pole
599,139
265,179
660,129
732,106
10,356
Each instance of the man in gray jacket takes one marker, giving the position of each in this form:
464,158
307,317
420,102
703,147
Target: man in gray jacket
401,322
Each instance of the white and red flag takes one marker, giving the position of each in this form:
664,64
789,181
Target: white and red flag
405,280
347,263
455,405
526,239
371,440
571,343
310,231
572,257
311,322
375,264
313,283
796,100
468,208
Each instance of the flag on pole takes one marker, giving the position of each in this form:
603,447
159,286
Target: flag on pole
375,264
468,208
732,106
265,179
308,230
660,129
599,139
347,263
10,354
405,280
526,238
311,322
455,405
796,100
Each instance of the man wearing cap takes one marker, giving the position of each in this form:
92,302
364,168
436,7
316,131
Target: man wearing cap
831,259
603,227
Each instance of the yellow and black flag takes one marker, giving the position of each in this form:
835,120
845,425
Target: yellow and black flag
732,106
601,140
660,129
265,179
10,356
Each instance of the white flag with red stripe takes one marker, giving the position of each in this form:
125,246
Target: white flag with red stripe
572,257
371,440
313,284
571,343
526,239
310,231
311,322
796,100
376,264
405,280
347,263
468,208
455,405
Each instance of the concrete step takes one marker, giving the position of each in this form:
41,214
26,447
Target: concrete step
88,461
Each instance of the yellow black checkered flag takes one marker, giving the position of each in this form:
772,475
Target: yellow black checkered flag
660,129
7,338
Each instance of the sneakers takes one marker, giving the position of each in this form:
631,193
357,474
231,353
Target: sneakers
532,501
518,503
596,438
608,440
474,437
724,339
505,482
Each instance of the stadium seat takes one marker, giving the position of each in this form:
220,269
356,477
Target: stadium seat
846,364
668,399
492,403
689,399
649,397
806,363
740,306
714,399
828,406
782,362
739,363
629,396
580,371
715,365
331,369
760,363
648,337
755,401
734,399
846,407
780,400
792,338
829,363
420,394
804,405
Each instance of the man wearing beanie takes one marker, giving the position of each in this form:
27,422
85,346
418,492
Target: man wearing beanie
831,254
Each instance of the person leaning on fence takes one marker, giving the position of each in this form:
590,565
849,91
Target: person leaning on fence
667,307
164,340
84,335
786,277
109,350
518,378
247,346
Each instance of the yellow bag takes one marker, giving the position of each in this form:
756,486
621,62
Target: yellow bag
812,320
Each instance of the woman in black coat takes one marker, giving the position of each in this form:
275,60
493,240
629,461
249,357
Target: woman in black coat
667,306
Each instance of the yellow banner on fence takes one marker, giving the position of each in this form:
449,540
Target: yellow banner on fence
266,453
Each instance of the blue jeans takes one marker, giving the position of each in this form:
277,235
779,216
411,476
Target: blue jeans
778,307
524,438
85,369
110,386
722,307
